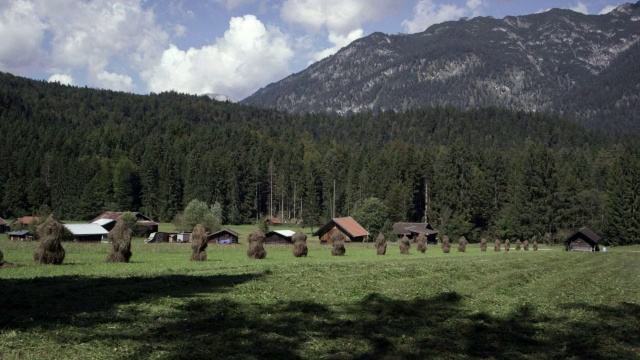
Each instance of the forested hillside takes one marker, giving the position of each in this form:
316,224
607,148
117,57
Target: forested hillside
488,172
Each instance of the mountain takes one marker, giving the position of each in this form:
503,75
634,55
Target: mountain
585,67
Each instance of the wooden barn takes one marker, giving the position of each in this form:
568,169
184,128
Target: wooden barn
4,226
20,235
348,226
412,230
583,240
87,232
162,237
279,237
225,236
142,219
25,221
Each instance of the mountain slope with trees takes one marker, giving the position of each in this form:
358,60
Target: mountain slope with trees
486,172
580,66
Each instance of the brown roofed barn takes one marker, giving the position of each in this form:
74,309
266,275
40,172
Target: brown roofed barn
348,226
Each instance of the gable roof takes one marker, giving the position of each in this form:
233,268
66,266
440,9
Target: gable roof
285,233
26,220
274,220
86,229
3,222
115,215
422,229
18,233
103,222
586,233
232,232
406,228
346,224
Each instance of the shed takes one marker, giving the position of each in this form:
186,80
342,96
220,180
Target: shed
347,225
274,221
159,237
279,237
225,236
26,220
20,235
582,240
86,232
4,226
142,219
412,230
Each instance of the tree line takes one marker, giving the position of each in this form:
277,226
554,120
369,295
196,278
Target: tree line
487,172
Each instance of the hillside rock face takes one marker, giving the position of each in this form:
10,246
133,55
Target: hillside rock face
586,67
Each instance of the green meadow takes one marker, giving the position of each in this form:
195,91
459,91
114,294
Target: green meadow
508,305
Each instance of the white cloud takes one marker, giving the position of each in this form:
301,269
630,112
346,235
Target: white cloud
338,41
247,57
339,16
607,9
427,13
63,79
21,34
580,7
113,81
179,30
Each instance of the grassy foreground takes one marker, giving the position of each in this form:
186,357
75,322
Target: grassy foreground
515,305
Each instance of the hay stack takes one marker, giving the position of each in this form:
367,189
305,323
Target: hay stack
535,245
404,246
483,244
462,244
446,245
120,237
507,245
526,245
256,241
299,244
5,264
199,244
337,238
50,250
1,257
422,243
518,244
381,244
496,245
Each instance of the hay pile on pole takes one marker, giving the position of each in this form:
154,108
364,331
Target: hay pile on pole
535,245
496,245
518,244
198,243
337,238
446,245
422,243
256,245
483,244
462,244
381,244
50,250
5,264
120,237
299,244
507,245
526,245
405,244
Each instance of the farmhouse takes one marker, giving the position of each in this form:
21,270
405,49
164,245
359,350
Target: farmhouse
86,232
412,230
582,240
20,235
279,237
347,225
4,227
273,221
226,236
115,215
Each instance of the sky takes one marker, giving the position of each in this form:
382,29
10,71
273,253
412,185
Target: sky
230,47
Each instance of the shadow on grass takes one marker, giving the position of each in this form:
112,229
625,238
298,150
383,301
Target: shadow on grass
376,327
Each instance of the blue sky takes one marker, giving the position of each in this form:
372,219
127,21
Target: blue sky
231,47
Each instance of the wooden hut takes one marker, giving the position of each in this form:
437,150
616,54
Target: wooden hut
412,230
582,240
20,235
24,221
4,226
279,237
347,225
274,221
162,237
87,232
225,236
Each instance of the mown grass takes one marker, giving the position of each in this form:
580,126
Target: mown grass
515,305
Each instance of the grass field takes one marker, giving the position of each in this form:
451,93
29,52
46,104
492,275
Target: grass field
515,305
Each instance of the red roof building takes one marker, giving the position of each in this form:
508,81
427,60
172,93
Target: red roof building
347,225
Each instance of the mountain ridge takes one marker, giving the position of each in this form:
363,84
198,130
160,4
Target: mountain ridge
540,63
